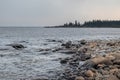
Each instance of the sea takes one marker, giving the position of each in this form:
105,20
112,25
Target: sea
30,63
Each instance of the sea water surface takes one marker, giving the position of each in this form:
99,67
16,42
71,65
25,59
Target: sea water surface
30,63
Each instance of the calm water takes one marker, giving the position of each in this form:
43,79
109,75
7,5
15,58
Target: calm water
29,63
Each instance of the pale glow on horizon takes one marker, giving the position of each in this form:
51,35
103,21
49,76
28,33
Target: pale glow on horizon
55,12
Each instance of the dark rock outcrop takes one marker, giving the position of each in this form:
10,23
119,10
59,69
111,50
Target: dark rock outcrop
17,46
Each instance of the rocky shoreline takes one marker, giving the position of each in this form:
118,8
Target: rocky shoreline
91,60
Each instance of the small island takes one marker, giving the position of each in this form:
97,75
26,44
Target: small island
90,24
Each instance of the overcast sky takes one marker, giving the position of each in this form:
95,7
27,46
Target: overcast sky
54,12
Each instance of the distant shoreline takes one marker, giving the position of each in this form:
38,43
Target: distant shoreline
81,27
90,24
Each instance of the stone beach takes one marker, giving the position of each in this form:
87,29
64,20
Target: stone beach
88,60
91,60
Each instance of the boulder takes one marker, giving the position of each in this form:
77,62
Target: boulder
98,60
102,60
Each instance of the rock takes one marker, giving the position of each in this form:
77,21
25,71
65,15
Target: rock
63,61
89,73
98,76
116,55
118,74
79,78
100,65
92,44
114,70
112,77
84,56
17,46
82,50
67,44
73,63
83,42
110,44
56,49
77,45
105,72
98,60
72,77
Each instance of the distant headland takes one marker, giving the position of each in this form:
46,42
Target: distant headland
90,24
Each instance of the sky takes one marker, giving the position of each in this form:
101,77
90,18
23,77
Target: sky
56,12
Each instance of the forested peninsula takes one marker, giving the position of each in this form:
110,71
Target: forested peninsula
91,24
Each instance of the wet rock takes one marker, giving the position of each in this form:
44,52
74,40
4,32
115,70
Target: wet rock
84,56
73,63
82,50
56,49
17,46
110,44
89,73
83,42
67,44
64,61
79,78
76,45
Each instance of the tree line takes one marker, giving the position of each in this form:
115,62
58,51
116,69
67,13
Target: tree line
94,23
